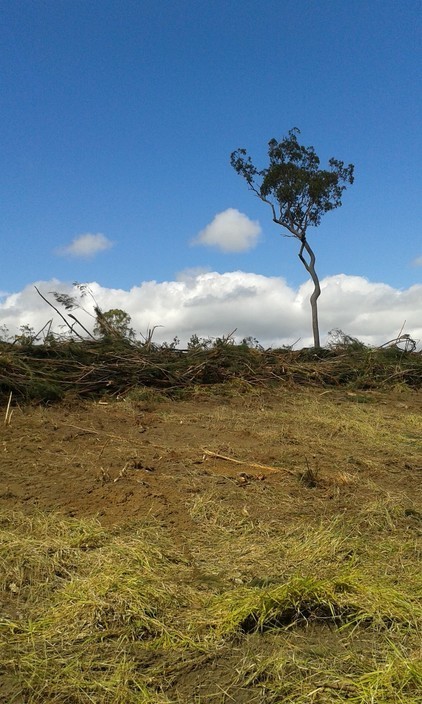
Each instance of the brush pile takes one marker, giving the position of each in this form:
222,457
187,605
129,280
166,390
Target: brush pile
87,368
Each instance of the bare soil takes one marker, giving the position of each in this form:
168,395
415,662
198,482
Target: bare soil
301,455
121,461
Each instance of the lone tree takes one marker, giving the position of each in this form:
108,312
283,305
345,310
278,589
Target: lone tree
299,193
113,324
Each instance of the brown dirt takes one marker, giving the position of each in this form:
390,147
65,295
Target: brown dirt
124,460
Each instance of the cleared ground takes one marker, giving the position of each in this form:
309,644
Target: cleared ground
234,545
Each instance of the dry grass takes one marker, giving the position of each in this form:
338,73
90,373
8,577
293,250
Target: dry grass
288,594
99,617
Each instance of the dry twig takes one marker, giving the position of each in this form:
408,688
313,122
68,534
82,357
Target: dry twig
8,414
251,465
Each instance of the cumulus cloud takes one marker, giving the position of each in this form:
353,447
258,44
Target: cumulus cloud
230,231
212,304
417,261
192,273
85,246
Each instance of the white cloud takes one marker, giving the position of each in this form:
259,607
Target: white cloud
417,261
191,273
212,304
230,231
85,246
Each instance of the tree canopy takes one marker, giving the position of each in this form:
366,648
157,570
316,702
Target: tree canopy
295,187
114,323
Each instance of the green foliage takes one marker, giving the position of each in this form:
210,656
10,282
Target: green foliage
171,345
73,302
298,191
252,343
114,323
68,302
26,337
341,341
199,343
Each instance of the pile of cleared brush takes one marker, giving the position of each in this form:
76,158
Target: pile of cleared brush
88,368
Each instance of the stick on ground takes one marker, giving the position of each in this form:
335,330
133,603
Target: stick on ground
252,465
8,414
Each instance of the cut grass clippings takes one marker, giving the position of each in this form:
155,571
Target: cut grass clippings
333,612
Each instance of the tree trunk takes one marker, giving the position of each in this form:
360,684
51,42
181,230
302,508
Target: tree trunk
310,268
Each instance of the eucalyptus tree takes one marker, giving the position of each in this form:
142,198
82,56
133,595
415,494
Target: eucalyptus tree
299,193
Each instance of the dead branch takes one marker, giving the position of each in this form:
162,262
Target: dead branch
251,465
58,312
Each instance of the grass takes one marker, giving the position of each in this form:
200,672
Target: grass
103,616
83,602
283,591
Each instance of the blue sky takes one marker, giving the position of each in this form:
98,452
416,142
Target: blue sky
118,119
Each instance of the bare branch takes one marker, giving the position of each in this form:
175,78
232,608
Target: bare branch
82,326
58,312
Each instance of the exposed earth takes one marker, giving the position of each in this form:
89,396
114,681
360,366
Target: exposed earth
211,471
125,459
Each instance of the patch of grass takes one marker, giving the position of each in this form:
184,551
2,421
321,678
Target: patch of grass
310,476
40,552
333,436
85,609
333,668
144,398
355,582
328,610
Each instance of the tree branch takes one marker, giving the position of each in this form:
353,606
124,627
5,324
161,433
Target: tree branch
58,312
82,326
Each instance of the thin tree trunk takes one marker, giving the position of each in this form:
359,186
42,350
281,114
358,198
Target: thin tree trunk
310,268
